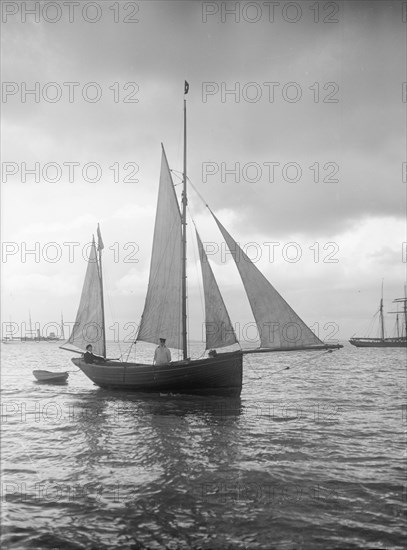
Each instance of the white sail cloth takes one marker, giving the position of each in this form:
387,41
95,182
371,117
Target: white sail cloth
278,324
89,323
162,315
218,328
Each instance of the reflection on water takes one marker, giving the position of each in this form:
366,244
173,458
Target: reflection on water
311,457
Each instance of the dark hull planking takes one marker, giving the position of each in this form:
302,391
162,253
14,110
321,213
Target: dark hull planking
220,375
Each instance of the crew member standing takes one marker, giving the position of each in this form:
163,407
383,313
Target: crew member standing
162,354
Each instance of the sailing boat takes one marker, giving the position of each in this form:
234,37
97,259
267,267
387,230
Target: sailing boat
165,311
398,341
33,337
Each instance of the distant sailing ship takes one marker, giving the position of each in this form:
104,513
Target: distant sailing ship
397,341
165,311
36,336
33,336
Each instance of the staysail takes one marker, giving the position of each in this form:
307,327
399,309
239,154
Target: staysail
218,328
89,324
162,315
278,324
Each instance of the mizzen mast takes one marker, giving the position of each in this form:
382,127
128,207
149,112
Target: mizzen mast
403,303
381,316
100,248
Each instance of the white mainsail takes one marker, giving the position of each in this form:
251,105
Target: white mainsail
162,315
278,324
89,324
218,328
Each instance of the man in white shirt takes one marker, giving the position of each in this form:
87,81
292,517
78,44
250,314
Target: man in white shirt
162,354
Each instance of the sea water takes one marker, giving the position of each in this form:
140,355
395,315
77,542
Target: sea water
309,457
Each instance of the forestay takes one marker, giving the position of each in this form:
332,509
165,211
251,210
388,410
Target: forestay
278,324
162,315
218,328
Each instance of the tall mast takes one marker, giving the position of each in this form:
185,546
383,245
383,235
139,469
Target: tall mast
62,327
184,236
381,315
402,301
100,248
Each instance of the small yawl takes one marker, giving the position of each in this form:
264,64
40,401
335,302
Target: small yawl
397,341
165,311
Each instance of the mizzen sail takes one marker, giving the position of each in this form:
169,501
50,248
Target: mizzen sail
278,324
89,324
162,315
218,328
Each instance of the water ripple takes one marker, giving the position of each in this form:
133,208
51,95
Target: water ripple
309,458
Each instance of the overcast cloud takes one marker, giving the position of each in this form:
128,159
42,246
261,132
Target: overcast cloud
355,141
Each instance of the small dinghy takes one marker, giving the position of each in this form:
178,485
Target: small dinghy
50,377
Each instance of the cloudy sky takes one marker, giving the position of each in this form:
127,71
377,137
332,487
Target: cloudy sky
296,136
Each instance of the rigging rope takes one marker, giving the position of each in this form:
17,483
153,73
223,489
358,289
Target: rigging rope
107,280
317,355
197,271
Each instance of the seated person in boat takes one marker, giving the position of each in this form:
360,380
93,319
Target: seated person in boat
162,354
89,357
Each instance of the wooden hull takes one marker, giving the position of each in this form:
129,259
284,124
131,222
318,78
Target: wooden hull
379,342
51,377
220,375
